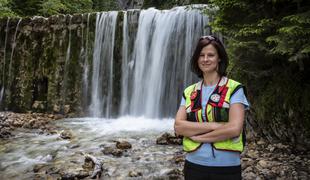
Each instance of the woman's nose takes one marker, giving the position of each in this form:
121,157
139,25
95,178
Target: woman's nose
205,58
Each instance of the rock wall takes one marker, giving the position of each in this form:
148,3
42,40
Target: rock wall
41,62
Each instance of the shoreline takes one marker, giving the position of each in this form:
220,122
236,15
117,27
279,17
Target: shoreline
260,160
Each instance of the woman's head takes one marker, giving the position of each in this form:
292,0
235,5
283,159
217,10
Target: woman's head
209,55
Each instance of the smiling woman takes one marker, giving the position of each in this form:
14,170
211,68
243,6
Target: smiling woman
211,116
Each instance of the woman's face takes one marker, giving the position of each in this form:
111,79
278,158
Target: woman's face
209,59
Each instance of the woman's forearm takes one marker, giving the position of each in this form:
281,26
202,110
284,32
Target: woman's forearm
230,130
188,129
225,132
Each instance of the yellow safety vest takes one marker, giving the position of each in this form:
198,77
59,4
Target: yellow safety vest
216,110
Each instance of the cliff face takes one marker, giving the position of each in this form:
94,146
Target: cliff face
41,61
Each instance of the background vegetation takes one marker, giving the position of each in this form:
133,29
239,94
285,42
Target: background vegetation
24,8
269,47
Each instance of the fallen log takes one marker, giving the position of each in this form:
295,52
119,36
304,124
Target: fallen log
97,168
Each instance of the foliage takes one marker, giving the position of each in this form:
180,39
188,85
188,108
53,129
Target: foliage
106,5
77,6
51,7
5,9
278,28
26,8
164,4
269,47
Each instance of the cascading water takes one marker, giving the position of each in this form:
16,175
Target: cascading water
102,82
10,78
64,87
162,50
125,67
4,55
155,68
85,64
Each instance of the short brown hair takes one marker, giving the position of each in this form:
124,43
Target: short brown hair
218,45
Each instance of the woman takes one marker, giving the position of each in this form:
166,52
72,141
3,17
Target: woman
211,116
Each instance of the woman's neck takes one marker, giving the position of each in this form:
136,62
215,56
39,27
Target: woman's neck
210,79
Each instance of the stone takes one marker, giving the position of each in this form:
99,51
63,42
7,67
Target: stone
114,151
58,116
178,159
4,133
123,145
261,142
67,109
175,174
66,134
134,174
56,108
263,163
167,138
249,176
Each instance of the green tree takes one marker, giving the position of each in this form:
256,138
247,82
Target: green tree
5,10
26,8
269,48
77,6
51,7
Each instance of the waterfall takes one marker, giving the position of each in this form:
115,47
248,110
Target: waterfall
64,87
102,71
4,57
163,47
10,78
85,65
139,70
125,68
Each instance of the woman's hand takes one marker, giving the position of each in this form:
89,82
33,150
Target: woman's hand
188,129
229,130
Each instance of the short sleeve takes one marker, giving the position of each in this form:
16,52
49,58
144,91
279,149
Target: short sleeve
182,101
239,97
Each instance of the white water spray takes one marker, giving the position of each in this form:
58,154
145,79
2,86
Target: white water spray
102,72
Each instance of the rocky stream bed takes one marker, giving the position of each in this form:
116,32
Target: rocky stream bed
49,146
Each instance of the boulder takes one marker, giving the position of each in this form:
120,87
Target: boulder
123,145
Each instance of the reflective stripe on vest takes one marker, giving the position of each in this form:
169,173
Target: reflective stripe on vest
216,110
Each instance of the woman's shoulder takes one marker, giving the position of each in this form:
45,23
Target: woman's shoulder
192,87
232,82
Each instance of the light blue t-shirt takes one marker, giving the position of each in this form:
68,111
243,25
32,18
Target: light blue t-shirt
204,155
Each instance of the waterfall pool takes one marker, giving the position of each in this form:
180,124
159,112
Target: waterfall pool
28,152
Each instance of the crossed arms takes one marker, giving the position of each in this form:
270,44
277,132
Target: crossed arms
211,131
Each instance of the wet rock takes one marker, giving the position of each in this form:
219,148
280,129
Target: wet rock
167,138
5,133
113,151
175,174
249,176
134,174
180,158
66,134
263,163
56,108
67,109
58,116
38,105
38,167
247,162
73,173
123,145
261,142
